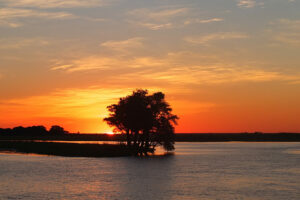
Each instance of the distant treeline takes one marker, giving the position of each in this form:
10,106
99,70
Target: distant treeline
33,131
183,137
238,137
65,149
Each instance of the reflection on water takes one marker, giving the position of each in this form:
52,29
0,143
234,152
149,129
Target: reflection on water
293,151
196,171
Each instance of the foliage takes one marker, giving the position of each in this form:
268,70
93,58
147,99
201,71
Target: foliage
57,130
146,120
33,131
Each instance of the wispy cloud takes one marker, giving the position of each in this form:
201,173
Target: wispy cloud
173,69
16,43
54,3
167,18
204,40
158,14
246,3
85,64
202,21
10,24
11,13
220,74
107,63
249,3
154,26
9,16
124,45
156,19
157,25
286,31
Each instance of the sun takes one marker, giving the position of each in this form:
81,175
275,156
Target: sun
109,132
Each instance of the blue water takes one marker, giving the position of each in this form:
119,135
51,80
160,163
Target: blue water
196,171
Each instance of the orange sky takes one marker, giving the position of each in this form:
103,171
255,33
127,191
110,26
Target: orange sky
229,66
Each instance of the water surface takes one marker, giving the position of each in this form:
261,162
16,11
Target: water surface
196,171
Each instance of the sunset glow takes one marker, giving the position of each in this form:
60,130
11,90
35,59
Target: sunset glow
225,66
110,133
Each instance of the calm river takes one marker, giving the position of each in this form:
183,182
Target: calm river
196,171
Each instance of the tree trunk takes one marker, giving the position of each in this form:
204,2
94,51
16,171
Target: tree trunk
128,138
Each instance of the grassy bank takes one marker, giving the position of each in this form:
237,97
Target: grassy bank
65,149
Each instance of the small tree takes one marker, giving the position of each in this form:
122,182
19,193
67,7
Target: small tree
146,120
57,130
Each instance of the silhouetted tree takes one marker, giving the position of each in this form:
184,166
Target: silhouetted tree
31,130
5,131
37,130
19,130
58,130
146,120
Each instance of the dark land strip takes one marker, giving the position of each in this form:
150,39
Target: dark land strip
182,137
65,149
41,144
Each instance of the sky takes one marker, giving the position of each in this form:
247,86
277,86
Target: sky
224,65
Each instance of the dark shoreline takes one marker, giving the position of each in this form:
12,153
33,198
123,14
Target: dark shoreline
65,149
183,137
28,144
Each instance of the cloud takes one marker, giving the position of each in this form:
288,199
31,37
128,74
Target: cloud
204,40
11,13
202,21
86,64
157,19
166,18
168,13
246,3
286,31
177,24
213,74
9,24
54,3
181,68
16,43
8,16
158,15
155,26
209,75
124,45
288,38
107,63
249,3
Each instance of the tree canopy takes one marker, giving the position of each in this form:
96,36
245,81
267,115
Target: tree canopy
147,121
34,131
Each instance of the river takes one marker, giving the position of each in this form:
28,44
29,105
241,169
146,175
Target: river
223,170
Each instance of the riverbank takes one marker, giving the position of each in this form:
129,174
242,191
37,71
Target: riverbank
61,145
183,137
65,149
